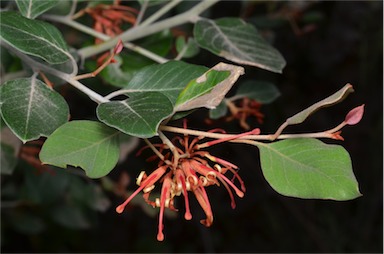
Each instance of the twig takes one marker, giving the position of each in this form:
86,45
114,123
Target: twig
36,66
160,12
140,32
104,37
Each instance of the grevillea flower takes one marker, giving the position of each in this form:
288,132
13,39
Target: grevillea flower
193,172
247,107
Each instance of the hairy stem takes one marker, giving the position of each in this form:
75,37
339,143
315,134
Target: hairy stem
268,137
141,13
160,12
36,66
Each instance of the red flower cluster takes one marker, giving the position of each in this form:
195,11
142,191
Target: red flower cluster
192,172
247,107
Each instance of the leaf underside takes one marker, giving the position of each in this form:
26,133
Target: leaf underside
139,115
33,8
238,41
33,37
31,109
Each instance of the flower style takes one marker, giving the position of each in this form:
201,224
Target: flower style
192,172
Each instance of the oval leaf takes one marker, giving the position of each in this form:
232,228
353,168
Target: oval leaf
31,109
237,41
169,78
139,116
309,168
33,37
209,89
261,91
33,8
90,145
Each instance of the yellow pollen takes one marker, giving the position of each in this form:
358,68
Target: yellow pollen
211,176
149,188
140,178
192,180
204,181
218,167
188,186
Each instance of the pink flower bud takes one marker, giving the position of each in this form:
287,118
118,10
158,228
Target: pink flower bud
119,47
354,116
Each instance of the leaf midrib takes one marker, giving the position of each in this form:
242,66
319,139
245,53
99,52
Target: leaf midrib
56,46
87,147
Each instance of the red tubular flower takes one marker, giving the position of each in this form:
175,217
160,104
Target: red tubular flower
148,182
193,173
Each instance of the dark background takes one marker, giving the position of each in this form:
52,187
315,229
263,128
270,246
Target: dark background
337,42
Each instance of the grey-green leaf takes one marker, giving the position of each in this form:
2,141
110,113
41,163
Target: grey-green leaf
90,145
209,89
261,91
309,168
238,41
169,78
220,111
329,101
31,109
33,8
188,48
139,115
33,37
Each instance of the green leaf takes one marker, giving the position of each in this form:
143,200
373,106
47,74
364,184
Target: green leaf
115,75
187,49
260,91
329,101
209,89
220,111
198,87
139,115
309,168
33,37
33,8
87,194
10,146
8,159
158,43
31,109
26,222
169,78
86,144
44,187
237,41
70,216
